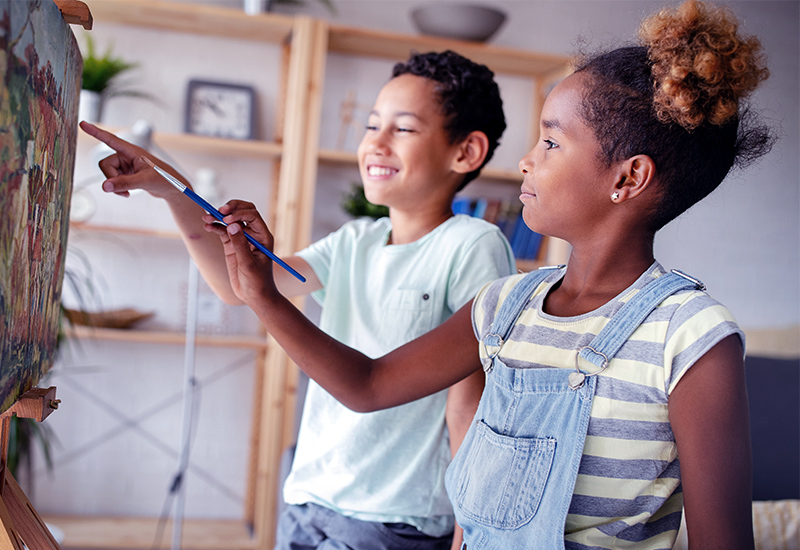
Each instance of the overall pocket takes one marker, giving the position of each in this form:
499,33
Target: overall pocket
501,479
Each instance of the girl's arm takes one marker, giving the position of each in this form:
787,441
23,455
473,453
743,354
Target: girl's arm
424,366
709,415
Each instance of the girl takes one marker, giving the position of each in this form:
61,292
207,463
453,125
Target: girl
615,391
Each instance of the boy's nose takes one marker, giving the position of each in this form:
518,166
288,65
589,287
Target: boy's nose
376,142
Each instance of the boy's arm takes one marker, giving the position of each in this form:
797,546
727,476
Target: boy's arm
709,415
126,172
462,403
431,363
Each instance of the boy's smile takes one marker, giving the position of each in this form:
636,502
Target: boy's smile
375,171
405,154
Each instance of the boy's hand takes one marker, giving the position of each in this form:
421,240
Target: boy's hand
125,170
249,270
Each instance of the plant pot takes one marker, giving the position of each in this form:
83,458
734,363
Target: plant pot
254,7
90,107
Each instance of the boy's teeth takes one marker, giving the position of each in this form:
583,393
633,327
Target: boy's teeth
379,171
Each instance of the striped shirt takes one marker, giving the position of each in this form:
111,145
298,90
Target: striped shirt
628,490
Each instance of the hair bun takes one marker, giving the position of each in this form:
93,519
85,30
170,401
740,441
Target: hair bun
702,68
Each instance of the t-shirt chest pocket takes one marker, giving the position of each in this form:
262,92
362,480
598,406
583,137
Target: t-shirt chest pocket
412,312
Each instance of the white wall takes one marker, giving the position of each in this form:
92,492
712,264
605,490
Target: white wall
743,241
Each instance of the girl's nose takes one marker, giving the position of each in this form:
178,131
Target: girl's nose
526,163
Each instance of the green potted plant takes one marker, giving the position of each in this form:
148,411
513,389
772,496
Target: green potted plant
101,81
356,204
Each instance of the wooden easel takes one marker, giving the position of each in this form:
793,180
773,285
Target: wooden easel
75,12
19,521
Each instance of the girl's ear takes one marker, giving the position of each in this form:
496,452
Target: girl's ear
471,153
636,175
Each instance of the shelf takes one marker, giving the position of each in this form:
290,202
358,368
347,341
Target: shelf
125,532
257,343
138,231
349,158
364,42
190,143
195,18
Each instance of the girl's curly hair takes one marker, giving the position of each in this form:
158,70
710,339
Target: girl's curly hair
681,99
701,66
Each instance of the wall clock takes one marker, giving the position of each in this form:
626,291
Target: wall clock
220,109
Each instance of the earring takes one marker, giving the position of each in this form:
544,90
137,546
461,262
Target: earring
614,196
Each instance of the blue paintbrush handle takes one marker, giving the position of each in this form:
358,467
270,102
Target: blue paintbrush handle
205,205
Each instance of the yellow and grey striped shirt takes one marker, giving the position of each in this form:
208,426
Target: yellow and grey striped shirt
628,490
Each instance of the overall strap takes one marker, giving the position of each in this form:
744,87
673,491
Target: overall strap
625,321
514,304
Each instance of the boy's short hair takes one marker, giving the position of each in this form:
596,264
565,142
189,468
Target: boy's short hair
469,97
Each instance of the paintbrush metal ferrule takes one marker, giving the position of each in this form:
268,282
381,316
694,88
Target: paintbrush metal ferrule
166,175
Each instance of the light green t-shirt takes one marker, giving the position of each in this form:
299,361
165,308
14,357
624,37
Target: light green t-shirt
388,466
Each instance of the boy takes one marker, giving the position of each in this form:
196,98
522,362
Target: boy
376,480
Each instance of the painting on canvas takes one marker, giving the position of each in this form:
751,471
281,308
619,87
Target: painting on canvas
41,67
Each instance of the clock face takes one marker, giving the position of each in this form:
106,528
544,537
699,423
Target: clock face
220,110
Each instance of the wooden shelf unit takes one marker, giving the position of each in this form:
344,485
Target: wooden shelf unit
195,18
294,36
305,43
161,337
95,533
190,143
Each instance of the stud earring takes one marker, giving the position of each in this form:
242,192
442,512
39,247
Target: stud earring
614,196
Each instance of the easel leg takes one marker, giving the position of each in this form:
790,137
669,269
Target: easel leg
9,539
25,519
18,519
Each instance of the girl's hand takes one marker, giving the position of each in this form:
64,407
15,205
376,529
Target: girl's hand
124,169
249,271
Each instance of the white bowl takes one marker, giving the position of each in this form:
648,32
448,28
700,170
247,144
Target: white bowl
454,20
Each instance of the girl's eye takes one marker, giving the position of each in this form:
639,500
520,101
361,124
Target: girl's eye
549,144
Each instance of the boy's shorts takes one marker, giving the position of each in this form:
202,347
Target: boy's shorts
308,526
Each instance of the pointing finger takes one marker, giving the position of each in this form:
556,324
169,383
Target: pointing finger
106,137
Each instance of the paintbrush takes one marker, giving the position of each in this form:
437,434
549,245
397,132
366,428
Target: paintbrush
205,205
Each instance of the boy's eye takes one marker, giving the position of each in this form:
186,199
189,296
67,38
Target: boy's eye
371,127
405,130
549,144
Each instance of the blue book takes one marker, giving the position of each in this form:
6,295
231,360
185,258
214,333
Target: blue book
462,205
519,238
533,245
480,208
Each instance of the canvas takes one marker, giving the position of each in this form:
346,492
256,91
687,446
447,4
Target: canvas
41,69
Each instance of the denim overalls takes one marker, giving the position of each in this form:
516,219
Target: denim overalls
511,481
